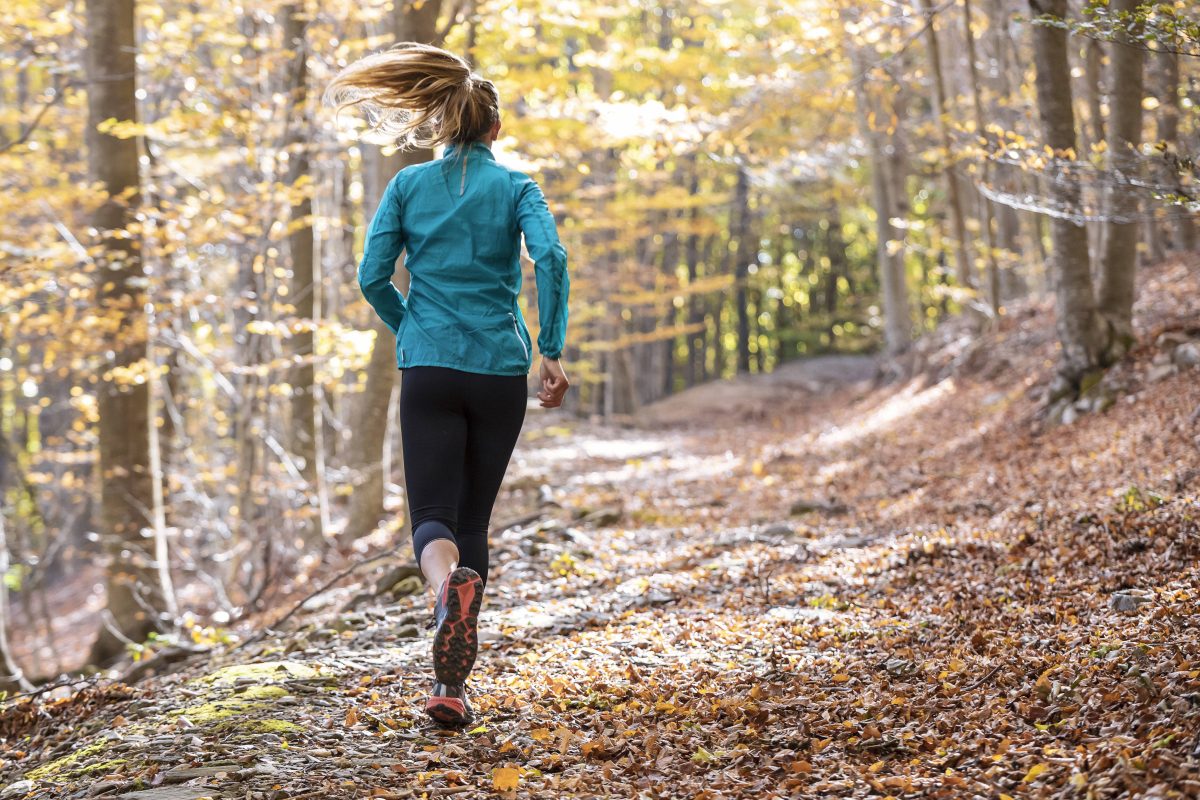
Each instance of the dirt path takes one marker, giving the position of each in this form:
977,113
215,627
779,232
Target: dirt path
913,591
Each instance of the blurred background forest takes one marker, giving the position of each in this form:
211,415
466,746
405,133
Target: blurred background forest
196,403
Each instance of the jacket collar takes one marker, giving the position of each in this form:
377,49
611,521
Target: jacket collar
476,146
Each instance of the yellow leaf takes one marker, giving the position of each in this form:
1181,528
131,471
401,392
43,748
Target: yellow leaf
878,765
505,779
1034,771
841,677
540,734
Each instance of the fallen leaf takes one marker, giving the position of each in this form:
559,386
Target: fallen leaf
1034,771
505,779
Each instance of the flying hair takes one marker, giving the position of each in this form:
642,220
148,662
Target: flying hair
418,94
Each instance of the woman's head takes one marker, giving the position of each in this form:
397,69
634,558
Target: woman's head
420,94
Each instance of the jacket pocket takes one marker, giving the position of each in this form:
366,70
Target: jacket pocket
517,331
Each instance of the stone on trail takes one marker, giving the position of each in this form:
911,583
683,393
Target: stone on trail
1127,601
170,793
1187,354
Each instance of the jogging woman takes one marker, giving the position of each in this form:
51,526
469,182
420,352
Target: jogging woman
461,340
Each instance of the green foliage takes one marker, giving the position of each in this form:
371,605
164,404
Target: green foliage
1166,27
1135,499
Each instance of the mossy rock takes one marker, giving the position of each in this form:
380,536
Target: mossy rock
249,699
1090,381
60,769
256,726
261,672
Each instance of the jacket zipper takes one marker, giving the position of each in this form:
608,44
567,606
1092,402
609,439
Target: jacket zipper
517,331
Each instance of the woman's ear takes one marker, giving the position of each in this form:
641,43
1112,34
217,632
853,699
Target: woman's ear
495,130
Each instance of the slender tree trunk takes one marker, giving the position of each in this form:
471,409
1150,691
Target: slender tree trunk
249,346
1118,269
1013,261
1183,229
412,21
365,452
740,236
993,268
1081,330
889,255
670,263
302,292
835,249
962,253
1092,130
12,679
134,582
695,341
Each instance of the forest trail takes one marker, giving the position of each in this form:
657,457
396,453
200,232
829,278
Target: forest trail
907,590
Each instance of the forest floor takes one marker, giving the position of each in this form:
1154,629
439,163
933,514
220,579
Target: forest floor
806,585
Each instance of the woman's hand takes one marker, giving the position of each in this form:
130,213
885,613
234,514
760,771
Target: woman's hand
554,383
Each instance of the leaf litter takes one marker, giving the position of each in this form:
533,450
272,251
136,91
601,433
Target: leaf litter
915,589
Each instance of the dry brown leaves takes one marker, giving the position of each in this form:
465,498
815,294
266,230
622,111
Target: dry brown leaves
964,605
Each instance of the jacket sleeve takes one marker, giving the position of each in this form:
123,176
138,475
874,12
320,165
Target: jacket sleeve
384,243
549,265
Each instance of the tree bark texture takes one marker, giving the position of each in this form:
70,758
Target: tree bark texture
1080,328
1118,268
133,584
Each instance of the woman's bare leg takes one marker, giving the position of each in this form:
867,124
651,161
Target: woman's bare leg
438,560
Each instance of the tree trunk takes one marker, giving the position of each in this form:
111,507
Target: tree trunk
365,451
993,268
740,236
889,258
1183,230
416,22
12,679
835,249
134,580
1092,131
1008,221
303,290
695,341
1118,269
1080,329
962,253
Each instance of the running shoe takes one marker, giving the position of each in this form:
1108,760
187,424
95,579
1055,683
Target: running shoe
448,704
456,635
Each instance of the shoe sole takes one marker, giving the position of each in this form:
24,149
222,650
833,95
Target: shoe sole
447,710
456,640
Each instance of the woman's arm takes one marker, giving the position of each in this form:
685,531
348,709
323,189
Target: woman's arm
383,246
549,265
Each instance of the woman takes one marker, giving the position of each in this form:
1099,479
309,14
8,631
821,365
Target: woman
460,338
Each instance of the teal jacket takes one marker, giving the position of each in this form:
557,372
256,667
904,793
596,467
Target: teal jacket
459,220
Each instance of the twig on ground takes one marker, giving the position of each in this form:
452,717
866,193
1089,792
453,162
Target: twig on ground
162,658
49,687
319,590
984,679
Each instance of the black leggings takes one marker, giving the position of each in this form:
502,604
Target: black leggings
459,429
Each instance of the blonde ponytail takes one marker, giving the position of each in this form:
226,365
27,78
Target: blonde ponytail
419,94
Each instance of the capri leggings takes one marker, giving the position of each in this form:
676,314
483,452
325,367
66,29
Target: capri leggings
458,430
